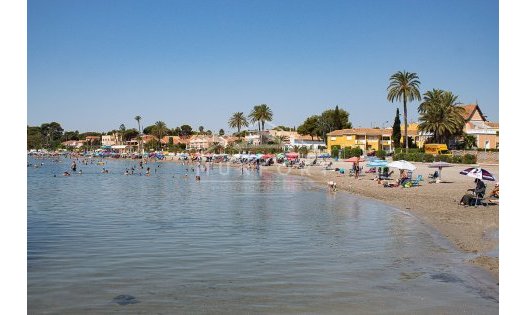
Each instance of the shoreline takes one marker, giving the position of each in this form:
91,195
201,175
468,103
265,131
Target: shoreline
469,229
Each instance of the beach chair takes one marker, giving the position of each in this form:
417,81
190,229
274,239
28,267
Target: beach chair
329,166
416,182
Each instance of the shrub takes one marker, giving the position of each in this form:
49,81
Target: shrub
469,159
456,159
356,152
444,158
399,156
428,158
381,154
335,149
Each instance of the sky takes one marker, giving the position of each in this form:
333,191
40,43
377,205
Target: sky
93,65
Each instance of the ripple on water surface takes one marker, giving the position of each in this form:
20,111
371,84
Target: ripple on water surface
232,243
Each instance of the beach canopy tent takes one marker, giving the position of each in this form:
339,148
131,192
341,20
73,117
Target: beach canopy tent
439,165
354,160
477,172
402,165
324,155
292,155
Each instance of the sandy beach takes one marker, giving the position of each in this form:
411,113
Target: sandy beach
471,229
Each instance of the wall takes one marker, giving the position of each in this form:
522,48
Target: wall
484,157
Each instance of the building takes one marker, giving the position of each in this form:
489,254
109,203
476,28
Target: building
477,125
205,142
73,144
109,140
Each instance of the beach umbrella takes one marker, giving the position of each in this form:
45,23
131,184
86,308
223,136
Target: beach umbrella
403,165
268,156
439,165
377,163
477,172
354,160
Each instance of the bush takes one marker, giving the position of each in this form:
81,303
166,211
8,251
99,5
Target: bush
469,159
411,150
399,156
335,149
356,152
456,159
429,158
381,154
444,158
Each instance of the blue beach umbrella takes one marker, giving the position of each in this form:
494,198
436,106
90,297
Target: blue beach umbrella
377,163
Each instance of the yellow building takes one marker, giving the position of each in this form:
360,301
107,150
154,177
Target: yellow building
369,139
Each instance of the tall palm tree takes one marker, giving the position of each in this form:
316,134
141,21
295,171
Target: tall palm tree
238,120
404,86
261,113
122,128
440,115
138,118
160,129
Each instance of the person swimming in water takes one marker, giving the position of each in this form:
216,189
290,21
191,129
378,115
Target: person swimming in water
66,174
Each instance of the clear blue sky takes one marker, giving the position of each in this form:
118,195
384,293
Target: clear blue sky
95,64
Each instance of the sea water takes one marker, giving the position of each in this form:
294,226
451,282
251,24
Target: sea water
234,242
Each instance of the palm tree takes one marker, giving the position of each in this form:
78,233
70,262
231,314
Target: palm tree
122,128
440,115
238,120
404,86
138,118
261,113
160,129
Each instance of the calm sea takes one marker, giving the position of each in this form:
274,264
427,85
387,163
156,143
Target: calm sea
232,243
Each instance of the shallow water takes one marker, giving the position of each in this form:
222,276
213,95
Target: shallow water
232,243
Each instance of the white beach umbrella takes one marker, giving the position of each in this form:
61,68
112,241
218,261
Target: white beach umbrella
403,165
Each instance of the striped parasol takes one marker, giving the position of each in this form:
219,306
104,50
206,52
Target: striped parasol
477,172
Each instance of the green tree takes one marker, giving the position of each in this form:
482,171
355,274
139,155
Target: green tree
310,126
404,86
201,129
34,138
260,114
336,117
470,141
326,122
440,115
186,130
238,120
138,119
221,132
160,130
397,132
51,133
148,130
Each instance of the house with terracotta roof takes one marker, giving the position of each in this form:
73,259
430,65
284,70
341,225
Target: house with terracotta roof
486,132
205,142
369,139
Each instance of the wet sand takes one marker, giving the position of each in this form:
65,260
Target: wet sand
471,229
